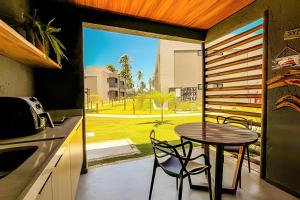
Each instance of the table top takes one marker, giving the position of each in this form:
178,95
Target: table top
216,134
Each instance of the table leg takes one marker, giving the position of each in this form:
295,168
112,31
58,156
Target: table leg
238,168
219,172
206,150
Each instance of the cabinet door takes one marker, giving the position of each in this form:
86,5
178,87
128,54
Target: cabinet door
46,191
61,180
76,157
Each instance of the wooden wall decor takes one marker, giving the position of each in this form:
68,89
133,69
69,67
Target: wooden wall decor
288,101
187,13
292,77
236,62
289,78
287,57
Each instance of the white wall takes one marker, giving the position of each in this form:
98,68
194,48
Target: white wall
166,61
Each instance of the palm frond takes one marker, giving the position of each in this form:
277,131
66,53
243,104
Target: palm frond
59,42
49,23
52,30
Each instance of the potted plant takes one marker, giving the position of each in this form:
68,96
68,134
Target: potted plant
43,35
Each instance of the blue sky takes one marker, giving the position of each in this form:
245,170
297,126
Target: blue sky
102,48
248,26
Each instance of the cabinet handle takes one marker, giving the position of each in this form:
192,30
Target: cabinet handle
44,184
58,160
50,170
77,127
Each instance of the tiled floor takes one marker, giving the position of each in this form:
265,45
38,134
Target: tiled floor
131,181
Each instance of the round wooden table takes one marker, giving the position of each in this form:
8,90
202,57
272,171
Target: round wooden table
220,135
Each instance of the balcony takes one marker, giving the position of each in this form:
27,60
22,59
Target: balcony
113,85
112,82
122,85
131,180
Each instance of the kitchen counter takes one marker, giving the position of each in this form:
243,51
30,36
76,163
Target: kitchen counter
58,132
18,183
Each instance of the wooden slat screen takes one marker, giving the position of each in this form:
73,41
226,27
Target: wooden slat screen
233,76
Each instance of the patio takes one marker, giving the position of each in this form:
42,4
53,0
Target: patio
130,180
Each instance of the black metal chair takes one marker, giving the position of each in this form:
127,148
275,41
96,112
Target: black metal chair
176,165
241,121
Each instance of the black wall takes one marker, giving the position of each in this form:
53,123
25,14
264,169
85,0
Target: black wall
62,89
283,126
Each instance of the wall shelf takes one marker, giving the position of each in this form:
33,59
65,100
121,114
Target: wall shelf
15,46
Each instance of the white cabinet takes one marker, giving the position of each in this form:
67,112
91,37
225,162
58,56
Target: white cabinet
62,182
61,179
76,158
46,191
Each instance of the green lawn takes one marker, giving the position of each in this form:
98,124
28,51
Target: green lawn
117,107
137,130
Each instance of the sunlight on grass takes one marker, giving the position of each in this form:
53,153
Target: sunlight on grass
118,108
137,130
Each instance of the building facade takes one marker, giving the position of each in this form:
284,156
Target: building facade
178,69
104,83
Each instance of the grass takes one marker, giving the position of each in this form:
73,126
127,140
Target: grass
137,130
118,108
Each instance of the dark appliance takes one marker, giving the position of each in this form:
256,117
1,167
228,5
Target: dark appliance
22,116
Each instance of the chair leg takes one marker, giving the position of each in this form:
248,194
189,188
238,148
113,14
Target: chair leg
180,188
183,149
176,183
152,180
190,181
248,156
240,181
209,183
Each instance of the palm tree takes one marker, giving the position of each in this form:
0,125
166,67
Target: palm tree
111,68
150,91
142,86
126,73
151,84
140,75
160,99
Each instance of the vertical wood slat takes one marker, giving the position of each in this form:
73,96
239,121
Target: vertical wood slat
206,147
203,82
264,96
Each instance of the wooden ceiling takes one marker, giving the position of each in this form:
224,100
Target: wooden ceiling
198,14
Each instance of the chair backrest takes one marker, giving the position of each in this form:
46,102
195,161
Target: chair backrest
163,151
236,120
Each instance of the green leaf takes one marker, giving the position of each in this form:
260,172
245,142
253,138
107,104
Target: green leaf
49,23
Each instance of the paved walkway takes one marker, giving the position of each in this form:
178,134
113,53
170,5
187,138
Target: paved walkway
109,149
143,116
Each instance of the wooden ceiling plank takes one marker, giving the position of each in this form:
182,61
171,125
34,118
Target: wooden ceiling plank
187,13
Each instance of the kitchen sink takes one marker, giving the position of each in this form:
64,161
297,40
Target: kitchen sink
12,158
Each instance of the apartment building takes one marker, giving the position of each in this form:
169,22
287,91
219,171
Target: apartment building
178,69
108,85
